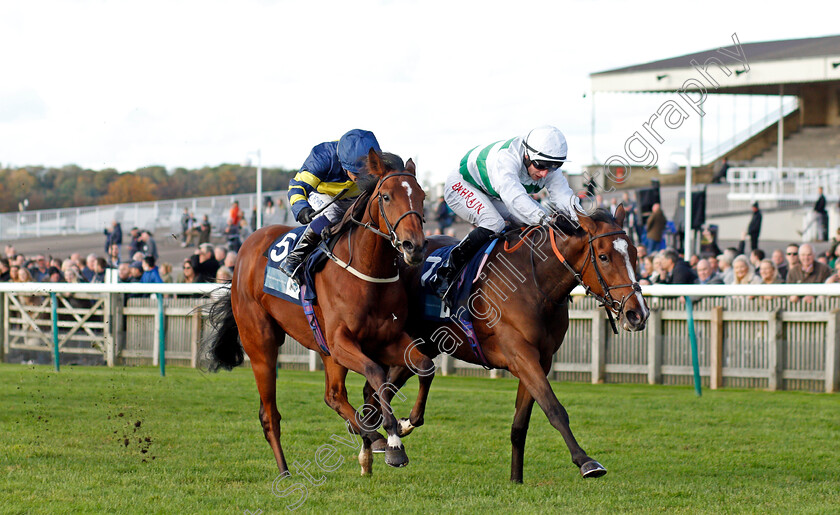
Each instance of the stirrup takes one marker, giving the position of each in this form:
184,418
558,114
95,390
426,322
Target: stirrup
448,298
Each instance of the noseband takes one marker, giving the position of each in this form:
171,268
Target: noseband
391,235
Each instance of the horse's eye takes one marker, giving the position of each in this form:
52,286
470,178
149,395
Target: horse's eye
603,258
386,198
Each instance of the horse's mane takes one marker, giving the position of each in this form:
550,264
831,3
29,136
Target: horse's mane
562,223
367,183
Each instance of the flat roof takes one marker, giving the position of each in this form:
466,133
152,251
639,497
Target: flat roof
755,52
764,68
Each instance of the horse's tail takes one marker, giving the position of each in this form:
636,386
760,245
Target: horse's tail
222,348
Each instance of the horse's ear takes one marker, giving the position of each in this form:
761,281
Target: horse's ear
375,165
619,215
586,223
409,167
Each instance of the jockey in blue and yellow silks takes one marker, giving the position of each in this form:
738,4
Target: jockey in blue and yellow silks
331,168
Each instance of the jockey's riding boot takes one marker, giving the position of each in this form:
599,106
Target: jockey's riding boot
307,243
447,274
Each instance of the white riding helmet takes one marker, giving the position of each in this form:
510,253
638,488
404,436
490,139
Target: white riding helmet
546,144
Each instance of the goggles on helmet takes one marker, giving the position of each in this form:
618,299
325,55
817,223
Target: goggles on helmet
546,165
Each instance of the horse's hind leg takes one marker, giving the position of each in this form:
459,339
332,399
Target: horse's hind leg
261,338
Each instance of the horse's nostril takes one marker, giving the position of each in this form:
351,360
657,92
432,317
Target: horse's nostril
633,317
408,246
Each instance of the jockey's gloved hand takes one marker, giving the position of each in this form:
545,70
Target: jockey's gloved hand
305,215
545,220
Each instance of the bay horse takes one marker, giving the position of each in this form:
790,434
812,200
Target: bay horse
362,313
520,313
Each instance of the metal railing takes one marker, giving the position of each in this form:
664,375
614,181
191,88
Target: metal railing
789,105
766,342
798,185
161,214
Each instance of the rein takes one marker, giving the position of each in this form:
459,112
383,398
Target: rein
610,305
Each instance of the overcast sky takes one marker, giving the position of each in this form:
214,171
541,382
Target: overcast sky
126,84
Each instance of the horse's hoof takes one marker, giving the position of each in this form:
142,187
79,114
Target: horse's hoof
592,469
404,426
396,456
378,446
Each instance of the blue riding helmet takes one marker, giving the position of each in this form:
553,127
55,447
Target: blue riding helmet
353,147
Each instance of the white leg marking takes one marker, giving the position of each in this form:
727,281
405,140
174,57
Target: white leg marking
394,441
405,424
407,187
620,245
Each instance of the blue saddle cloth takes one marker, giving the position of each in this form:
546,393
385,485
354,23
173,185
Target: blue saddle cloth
279,284
433,308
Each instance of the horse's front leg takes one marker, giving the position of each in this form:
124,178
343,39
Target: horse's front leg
526,366
405,361
335,395
347,352
519,432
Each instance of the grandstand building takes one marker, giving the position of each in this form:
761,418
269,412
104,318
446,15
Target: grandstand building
780,161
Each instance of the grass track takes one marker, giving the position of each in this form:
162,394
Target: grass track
63,447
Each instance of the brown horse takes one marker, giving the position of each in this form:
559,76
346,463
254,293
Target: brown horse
520,313
362,313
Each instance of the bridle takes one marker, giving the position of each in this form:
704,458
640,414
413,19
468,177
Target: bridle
391,235
607,301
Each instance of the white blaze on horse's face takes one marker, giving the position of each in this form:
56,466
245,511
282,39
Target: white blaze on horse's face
620,245
407,187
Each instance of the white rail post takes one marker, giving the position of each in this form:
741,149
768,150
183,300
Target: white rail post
654,345
196,338
716,354
775,354
832,352
599,347
155,336
314,362
4,314
108,333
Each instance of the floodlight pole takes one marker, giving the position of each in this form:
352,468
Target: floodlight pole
688,218
258,203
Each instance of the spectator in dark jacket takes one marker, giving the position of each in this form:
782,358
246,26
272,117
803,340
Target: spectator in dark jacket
755,226
708,242
676,270
778,259
5,271
822,215
148,246
135,244
204,263
114,236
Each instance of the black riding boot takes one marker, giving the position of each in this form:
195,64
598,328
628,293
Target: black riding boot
291,265
460,256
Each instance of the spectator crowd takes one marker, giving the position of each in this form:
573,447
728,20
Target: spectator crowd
207,263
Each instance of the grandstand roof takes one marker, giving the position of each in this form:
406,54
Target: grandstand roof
792,62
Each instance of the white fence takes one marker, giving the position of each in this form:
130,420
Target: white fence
770,343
